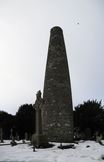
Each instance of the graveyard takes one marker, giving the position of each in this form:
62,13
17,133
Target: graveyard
56,135
83,151
51,81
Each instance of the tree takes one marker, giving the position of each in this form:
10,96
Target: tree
6,123
89,115
25,120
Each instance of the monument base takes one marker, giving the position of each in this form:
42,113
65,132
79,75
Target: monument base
40,141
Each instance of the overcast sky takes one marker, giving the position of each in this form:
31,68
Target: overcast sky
24,37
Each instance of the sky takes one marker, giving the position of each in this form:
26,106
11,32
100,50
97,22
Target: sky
24,38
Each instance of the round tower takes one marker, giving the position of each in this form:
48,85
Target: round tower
57,114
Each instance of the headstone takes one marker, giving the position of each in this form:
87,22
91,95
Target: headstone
26,136
11,133
23,141
13,142
88,133
99,138
17,137
1,135
77,133
57,115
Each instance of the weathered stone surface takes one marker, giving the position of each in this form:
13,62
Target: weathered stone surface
57,114
38,106
39,139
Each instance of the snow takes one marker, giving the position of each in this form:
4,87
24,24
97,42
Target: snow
85,151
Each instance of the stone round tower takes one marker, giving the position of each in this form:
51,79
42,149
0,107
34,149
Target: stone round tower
57,114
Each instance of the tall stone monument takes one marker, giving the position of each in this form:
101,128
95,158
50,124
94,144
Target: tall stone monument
39,139
57,115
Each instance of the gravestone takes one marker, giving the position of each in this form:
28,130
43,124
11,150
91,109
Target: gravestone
1,135
12,137
11,133
57,112
26,136
17,136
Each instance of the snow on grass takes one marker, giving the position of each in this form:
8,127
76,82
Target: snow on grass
88,151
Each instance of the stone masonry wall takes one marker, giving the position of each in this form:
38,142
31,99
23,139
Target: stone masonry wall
57,114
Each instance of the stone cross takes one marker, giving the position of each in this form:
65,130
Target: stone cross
38,107
39,139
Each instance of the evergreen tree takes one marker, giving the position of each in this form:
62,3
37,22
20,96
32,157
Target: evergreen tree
90,115
25,120
6,123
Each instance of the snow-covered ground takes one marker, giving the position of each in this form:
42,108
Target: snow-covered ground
88,151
